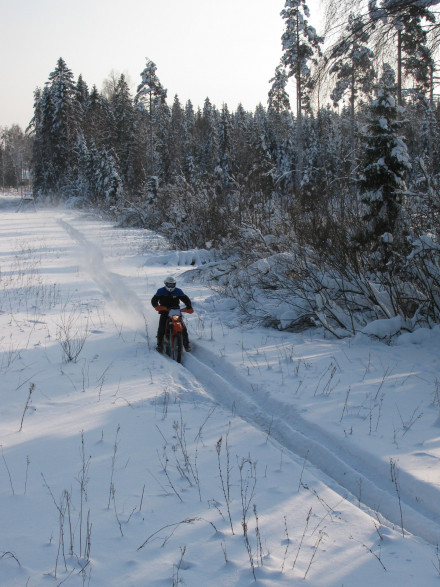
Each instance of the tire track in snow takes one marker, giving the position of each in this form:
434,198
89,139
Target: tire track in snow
356,472
350,471
111,284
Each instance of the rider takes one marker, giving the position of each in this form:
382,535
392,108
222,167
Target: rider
170,297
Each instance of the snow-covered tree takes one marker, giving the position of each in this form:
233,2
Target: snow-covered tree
188,163
408,20
108,181
176,138
278,98
64,124
207,137
281,128
354,69
241,121
301,45
56,125
15,155
386,162
225,144
122,109
150,96
44,179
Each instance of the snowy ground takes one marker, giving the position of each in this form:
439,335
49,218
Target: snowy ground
267,458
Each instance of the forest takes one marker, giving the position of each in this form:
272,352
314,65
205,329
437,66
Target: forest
321,207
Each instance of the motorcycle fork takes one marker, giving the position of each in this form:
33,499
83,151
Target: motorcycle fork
175,326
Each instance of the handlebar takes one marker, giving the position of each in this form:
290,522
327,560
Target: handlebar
165,309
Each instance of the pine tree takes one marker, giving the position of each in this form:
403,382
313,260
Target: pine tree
300,46
407,20
353,66
149,97
417,61
278,98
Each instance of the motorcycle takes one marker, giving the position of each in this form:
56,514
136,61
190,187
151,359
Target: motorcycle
173,336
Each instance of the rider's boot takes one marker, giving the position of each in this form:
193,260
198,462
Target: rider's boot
186,344
159,346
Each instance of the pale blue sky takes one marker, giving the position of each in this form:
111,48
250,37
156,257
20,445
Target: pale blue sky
226,50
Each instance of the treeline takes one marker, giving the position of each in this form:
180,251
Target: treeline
355,182
15,157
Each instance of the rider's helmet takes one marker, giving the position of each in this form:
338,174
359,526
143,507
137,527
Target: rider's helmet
170,283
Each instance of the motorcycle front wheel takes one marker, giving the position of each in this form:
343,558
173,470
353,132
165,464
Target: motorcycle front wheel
167,342
176,347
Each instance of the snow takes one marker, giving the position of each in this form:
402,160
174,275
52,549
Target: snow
383,123
121,467
385,328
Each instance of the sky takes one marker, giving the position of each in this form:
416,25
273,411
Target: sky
227,51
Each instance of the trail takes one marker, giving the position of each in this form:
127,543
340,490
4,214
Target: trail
365,478
122,297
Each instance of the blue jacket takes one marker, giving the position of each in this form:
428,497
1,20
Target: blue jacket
170,299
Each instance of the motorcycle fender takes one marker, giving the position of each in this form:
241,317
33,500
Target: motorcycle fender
177,327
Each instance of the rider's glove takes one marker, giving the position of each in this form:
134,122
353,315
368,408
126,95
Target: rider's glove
189,310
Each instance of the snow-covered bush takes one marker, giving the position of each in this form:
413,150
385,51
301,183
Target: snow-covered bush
301,287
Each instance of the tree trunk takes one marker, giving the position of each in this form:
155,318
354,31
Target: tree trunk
299,129
151,135
399,68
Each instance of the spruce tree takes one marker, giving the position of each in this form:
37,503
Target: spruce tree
386,162
44,179
207,135
242,156
280,127
122,109
64,124
225,145
177,138
56,125
189,147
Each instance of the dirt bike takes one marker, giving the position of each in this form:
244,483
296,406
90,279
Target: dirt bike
173,336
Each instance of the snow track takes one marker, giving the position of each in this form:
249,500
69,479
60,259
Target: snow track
365,478
111,284
176,455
